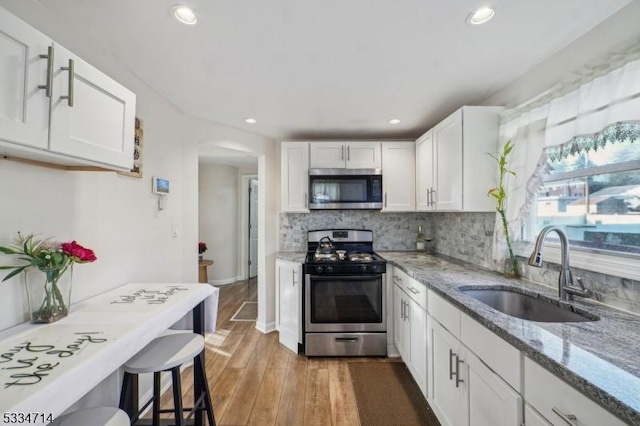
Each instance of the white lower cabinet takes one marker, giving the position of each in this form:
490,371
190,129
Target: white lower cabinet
464,391
410,325
288,303
560,404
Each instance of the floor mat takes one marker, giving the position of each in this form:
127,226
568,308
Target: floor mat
386,394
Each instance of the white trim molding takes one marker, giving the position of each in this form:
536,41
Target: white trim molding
625,266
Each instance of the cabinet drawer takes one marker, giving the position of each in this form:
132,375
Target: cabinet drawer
497,354
446,314
415,290
545,392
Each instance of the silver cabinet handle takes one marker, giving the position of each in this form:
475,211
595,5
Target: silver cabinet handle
348,153
569,419
397,279
342,154
49,83
385,199
414,291
72,77
433,197
402,310
451,373
293,278
458,379
306,200
428,197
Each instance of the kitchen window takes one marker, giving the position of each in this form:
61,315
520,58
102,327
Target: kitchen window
592,191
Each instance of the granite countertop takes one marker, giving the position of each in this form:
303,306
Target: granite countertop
599,358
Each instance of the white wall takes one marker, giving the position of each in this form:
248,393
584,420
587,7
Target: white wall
219,220
113,214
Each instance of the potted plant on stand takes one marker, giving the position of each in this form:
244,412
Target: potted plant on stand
499,193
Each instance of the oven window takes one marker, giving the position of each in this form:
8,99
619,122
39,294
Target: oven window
346,300
345,189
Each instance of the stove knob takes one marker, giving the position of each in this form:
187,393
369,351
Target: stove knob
329,269
319,269
363,268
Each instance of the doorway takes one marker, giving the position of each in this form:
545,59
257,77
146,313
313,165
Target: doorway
252,227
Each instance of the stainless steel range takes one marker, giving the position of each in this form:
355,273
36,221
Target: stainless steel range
344,295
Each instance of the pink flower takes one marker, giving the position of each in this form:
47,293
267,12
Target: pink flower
78,253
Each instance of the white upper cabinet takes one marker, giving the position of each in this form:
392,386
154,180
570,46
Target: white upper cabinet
398,176
349,155
24,107
424,172
294,180
56,108
92,116
454,170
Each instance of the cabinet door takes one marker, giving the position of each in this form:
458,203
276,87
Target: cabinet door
97,121
446,398
418,344
294,177
364,155
447,138
24,108
289,299
424,172
533,418
491,401
399,323
327,155
398,176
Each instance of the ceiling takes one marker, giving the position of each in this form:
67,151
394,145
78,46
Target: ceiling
329,68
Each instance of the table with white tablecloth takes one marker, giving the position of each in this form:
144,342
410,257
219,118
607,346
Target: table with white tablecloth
44,369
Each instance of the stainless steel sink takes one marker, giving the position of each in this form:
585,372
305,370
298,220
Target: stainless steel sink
532,307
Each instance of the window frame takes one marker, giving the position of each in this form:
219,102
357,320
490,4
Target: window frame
620,264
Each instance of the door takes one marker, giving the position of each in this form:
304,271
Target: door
253,228
399,324
24,107
418,344
491,401
447,138
327,155
288,302
398,163
92,116
447,399
295,177
363,155
424,172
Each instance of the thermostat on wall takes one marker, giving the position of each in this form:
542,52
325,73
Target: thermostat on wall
159,185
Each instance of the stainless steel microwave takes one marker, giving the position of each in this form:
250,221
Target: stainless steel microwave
341,189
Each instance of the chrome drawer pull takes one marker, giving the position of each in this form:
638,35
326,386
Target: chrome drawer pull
569,419
458,379
70,84
451,373
49,57
414,291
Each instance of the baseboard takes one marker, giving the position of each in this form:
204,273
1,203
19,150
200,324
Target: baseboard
266,327
392,352
225,281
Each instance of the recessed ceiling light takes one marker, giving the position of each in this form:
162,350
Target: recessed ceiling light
393,121
480,16
250,120
184,14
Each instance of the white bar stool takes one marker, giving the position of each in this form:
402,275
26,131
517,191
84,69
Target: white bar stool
98,416
169,353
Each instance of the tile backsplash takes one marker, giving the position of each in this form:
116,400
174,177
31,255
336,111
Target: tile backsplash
465,236
391,231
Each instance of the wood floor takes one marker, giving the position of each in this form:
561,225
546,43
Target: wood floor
256,381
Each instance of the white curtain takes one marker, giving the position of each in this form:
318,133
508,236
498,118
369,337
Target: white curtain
567,117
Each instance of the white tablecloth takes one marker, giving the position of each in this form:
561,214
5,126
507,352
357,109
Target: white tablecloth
46,368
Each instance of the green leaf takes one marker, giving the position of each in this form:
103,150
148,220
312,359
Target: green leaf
14,273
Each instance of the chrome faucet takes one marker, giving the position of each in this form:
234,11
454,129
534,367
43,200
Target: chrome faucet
566,288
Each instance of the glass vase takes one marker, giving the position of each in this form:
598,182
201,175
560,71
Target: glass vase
48,293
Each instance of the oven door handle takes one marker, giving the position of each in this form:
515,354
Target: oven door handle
346,339
368,277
